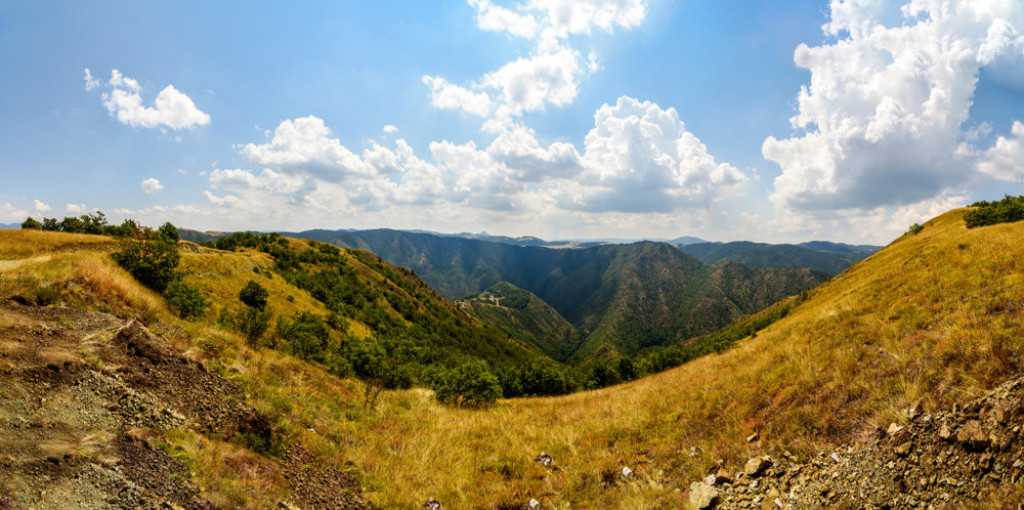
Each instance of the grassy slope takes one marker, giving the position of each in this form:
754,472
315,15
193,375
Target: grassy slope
933,319
924,322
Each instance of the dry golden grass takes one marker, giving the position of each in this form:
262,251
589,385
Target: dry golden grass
934,318
221,275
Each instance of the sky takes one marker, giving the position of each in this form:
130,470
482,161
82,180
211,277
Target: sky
781,121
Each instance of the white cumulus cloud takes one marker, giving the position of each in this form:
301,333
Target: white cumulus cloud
171,108
305,146
640,158
528,84
76,209
448,96
1003,161
151,185
882,121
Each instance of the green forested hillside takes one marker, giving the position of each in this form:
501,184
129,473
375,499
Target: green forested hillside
624,298
523,316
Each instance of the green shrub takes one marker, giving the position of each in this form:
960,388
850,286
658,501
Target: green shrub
44,295
31,224
253,323
471,384
306,336
186,300
916,228
254,295
1009,209
152,260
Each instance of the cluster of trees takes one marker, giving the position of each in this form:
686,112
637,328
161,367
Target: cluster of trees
92,223
1009,209
152,257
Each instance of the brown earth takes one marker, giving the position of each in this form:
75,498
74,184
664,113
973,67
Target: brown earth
83,398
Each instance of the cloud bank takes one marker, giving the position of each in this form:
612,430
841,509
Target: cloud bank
885,119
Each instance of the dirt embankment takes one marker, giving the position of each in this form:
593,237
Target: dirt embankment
82,395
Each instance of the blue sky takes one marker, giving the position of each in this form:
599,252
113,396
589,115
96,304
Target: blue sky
770,121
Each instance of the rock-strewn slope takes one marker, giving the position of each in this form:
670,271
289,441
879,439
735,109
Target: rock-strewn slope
84,399
954,458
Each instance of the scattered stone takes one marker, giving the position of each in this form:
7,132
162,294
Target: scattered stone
627,473
534,503
703,495
753,437
545,460
943,460
903,449
710,479
972,436
944,432
433,504
722,477
757,465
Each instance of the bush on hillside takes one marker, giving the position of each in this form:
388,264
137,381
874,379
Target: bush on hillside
151,258
254,295
186,300
253,323
916,228
470,384
31,224
1009,209
304,336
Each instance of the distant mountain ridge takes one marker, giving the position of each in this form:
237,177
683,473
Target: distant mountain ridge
831,258
623,298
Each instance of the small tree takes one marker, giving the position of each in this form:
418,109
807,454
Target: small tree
31,224
254,295
151,261
168,231
253,323
469,384
306,335
369,361
186,300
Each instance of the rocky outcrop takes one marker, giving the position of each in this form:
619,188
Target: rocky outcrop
82,398
931,461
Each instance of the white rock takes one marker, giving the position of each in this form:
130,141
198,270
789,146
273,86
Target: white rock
702,495
627,473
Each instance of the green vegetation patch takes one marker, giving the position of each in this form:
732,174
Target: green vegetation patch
1007,210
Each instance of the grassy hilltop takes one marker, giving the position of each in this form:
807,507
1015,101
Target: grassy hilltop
933,319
